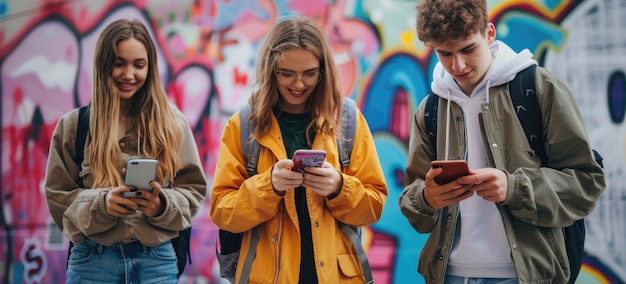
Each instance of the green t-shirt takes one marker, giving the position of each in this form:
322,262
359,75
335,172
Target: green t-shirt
293,129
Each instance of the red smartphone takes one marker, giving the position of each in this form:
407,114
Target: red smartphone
307,158
452,169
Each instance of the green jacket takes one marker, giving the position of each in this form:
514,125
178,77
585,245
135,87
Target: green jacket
540,200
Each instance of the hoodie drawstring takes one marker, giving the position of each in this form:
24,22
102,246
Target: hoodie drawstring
447,127
487,91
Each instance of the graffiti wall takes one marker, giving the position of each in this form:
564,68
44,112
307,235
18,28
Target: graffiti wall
207,51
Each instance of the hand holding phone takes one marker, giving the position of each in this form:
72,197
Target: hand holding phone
139,174
308,158
452,169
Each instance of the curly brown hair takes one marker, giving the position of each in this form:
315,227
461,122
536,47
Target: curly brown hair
443,20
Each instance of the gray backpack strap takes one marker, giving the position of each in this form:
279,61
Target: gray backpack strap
348,128
351,232
250,148
345,145
247,263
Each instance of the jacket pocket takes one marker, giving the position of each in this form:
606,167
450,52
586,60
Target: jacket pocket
348,265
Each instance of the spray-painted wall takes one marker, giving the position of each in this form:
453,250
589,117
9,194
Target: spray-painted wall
207,51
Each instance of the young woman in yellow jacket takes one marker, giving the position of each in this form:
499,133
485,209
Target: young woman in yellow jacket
296,104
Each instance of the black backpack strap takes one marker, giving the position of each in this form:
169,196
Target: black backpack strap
430,119
598,158
82,129
348,129
524,98
182,247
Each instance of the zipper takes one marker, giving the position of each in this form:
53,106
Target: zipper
278,238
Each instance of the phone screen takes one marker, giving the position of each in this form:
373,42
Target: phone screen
308,158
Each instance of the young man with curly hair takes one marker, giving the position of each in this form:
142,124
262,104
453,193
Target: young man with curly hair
503,222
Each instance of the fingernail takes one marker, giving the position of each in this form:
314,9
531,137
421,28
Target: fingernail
132,188
138,193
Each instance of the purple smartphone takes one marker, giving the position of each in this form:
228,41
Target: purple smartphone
308,158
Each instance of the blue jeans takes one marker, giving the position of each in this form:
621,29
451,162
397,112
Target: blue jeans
130,263
466,280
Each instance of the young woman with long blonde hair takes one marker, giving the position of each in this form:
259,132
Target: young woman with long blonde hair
124,239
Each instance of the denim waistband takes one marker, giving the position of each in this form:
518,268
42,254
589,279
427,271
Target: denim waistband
134,245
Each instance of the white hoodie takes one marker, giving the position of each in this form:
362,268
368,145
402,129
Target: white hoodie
480,247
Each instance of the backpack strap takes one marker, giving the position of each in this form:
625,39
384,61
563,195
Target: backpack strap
430,119
251,148
344,146
524,99
247,263
348,129
354,234
82,129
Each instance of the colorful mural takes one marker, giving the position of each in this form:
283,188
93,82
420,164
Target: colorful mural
207,51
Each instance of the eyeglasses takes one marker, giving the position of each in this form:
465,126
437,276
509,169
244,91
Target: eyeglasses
287,78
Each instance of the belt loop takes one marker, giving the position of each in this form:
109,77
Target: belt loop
98,249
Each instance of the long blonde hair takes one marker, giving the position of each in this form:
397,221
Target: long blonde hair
156,123
324,104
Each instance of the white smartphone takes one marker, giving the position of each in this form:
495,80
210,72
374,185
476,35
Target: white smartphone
139,174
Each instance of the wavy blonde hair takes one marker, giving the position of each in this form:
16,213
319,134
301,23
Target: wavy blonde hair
324,104
156,123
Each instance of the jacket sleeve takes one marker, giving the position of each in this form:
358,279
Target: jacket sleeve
67,202
413,206
187,191
568,187
240,202
362,197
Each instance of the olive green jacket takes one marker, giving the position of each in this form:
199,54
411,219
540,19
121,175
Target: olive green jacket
540,200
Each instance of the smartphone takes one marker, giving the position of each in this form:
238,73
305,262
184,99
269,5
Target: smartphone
139,174
308,158
452,169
